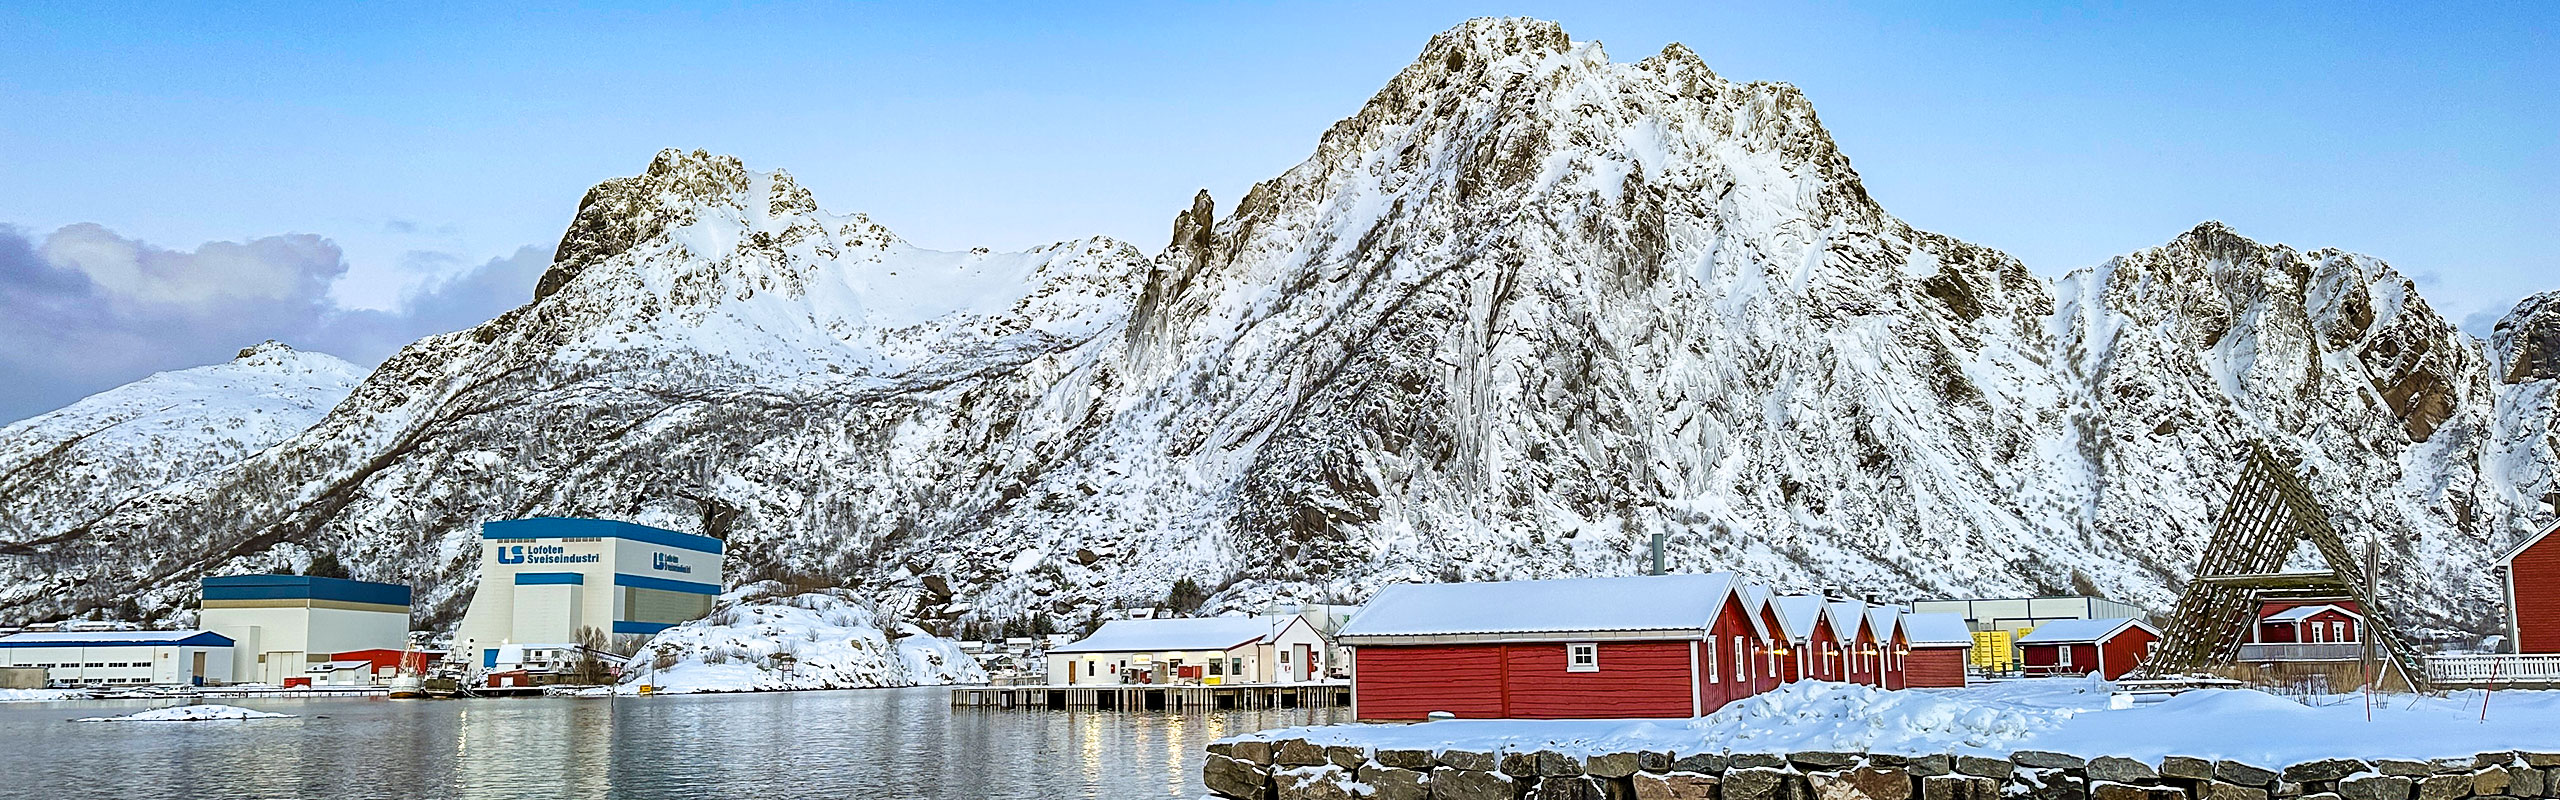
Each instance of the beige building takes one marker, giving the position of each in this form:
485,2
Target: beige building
1208,650
283,625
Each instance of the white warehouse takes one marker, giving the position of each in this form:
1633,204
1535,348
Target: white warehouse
282,625
134,658
1207,650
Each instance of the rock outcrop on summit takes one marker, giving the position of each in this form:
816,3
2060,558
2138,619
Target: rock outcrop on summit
1524,309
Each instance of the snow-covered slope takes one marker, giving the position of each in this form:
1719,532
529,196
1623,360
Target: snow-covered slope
1523,309
759,639
64,468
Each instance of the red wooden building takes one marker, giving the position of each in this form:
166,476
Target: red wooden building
2309,623
2109,647
2533,592
1940,644
1649,646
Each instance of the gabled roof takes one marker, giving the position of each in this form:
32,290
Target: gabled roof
1159,635
2300,613
1848,618
1885,621
2078,631
1686,604
1936,630
197,638
2509,559
1797,613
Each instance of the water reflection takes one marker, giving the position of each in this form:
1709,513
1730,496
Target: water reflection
894,743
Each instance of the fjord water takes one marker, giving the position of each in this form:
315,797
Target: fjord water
870,743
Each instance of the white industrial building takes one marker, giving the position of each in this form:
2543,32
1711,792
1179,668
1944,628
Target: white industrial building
131,658
545,580
283,625
1209,650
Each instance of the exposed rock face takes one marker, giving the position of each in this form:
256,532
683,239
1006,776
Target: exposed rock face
2528,340
1525,308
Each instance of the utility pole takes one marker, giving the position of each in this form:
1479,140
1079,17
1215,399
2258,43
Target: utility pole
2372,583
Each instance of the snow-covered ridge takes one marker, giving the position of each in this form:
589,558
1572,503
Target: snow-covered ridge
64,467
759,638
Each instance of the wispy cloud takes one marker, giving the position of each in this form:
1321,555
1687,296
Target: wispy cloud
89,309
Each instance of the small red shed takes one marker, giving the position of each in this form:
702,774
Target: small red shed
1940,644
2533,592
2109,647
2316,623
1644,646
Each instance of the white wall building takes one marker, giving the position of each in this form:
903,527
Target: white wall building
546,579
281,625
110,658
1221,650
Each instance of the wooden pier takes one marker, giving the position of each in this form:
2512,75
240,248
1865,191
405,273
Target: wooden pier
1155,697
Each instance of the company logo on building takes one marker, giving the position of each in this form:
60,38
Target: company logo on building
669,563
543,554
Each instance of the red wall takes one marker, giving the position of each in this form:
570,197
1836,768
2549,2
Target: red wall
1728,686
1636,679
2536,576
2124,653
1412,682
1935,667
2127,650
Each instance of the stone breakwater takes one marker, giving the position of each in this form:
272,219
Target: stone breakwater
1295,769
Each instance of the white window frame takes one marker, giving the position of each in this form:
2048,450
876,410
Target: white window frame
1582,657
1712,677
2062,657
1741,660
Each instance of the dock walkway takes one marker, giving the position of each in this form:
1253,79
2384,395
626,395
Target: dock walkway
1156,697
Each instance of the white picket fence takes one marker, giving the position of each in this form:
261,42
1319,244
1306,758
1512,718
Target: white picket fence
2493,670
2312,651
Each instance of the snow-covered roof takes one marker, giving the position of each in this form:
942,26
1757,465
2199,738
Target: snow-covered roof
2299,613
1936,630
1158,635
1573,605
2081,630
113,638
1848,618
1797,614
1883,621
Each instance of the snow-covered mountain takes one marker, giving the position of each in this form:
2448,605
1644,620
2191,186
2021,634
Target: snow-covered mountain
67,467
1525,308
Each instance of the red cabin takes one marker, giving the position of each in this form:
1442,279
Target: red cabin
2109,647
1940,644
2533,593
2312,623
1649,646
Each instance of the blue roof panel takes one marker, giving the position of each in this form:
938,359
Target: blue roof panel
303,587
565,527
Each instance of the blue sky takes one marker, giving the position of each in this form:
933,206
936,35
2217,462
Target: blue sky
430,149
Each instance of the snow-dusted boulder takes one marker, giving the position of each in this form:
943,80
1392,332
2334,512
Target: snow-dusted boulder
759,639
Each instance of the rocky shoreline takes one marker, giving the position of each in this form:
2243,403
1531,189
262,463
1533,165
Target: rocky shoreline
1296,769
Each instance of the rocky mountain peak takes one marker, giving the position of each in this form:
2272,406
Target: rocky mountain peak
2527,341
263,348
675,191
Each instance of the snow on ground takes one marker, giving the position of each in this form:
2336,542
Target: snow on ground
2069,715
204,712
756,641
32,695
